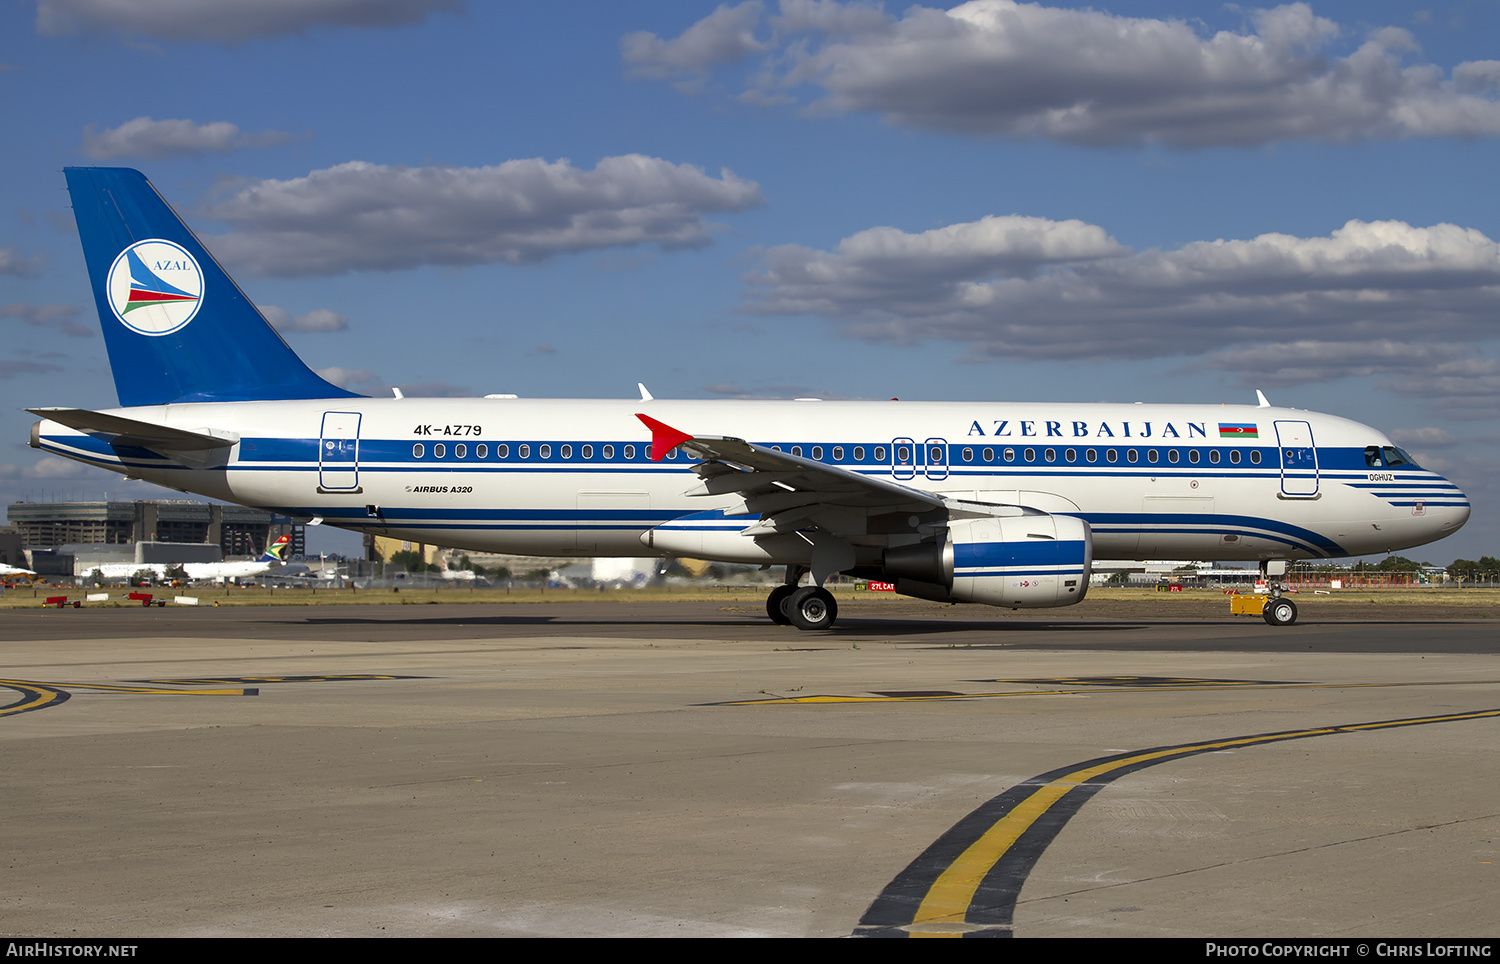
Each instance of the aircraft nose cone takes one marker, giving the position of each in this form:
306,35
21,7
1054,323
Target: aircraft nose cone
1451,518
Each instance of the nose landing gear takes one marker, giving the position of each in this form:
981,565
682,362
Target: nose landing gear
1278,611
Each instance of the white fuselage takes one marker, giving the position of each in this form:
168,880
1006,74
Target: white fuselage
192,570
574,477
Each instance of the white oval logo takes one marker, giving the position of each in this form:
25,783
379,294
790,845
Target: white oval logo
155,287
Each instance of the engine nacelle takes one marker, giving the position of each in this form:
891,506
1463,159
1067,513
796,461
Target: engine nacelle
1019,562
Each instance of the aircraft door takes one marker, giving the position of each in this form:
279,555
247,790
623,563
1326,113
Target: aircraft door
936,450
903,458
338,452
1299,459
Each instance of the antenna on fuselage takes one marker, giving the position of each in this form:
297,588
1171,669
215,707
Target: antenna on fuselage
1261,398
645,395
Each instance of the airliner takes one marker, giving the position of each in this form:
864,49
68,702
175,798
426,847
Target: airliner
269,560
7,571
1000,503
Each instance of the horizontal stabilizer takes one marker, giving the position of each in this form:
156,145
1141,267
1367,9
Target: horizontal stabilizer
130,431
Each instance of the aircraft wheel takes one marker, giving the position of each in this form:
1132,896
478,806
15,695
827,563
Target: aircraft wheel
1280,612
776,605
812,607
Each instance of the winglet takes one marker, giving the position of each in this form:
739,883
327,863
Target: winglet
664,438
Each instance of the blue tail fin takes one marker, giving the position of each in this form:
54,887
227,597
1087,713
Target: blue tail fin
177,328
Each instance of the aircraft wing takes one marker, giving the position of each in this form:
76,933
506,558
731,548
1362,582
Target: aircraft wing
782,488
833,508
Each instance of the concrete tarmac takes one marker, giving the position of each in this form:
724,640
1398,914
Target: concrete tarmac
689,769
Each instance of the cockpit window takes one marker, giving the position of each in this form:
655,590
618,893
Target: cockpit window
1377,456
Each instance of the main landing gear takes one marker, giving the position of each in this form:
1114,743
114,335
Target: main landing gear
806,607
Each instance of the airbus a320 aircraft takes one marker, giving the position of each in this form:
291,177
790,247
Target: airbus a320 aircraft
1000,503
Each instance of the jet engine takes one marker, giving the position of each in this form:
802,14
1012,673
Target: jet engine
1018,562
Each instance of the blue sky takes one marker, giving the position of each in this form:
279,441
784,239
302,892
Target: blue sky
1154,201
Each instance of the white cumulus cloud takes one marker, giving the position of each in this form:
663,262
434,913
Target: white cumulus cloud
1406,305
361,216
317,320
156,139
1084,76
226,21
63,318
12,263
724,36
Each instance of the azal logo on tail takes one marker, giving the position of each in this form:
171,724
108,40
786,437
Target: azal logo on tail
155,287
